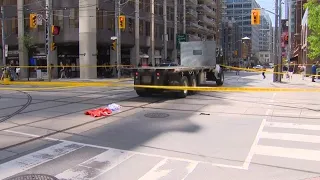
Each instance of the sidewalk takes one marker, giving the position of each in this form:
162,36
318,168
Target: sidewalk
297,81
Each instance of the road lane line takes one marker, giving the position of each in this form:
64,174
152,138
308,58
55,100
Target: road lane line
37,158
291,137
155,173
191,167
254,144
291,153
136,152
96,166
293,126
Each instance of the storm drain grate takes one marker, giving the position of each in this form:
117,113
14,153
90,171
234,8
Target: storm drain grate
156,115
34,177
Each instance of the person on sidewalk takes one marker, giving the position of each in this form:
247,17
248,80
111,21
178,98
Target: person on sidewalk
264,69
314,71
303,70
291,70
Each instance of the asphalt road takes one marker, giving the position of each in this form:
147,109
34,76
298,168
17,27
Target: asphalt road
218,135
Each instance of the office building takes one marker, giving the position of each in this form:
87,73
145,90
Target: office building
265,38
241,12
82,46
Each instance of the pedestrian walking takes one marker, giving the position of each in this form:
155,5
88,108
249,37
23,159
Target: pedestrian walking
290,71
303,70
314,71
264,71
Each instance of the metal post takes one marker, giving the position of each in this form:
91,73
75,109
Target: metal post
175,30
118,35
3,37
280,48
136,32
184,17
48,38
165,28
152,32
275,74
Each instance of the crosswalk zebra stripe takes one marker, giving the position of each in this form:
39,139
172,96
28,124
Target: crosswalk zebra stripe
291,137
293,126
36,158
302,154
96,166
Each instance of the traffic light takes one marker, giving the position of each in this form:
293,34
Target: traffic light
53,46
55,30
255,17
286,39
122,22
114,45
33,20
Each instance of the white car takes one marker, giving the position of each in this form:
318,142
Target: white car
257,67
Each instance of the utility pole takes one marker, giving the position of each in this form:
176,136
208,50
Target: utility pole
184,16
118,35
3,37
175,30
136,31
165,28
280,49
152,32
48,38
276,39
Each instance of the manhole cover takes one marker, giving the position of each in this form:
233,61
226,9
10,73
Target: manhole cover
156,115
34,177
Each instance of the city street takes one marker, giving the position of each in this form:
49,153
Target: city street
210,135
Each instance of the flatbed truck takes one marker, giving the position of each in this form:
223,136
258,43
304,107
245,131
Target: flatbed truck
198,65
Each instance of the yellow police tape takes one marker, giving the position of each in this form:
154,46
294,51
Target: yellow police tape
176,88
36,88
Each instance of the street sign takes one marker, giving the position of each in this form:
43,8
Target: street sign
181,38
39,19
6,48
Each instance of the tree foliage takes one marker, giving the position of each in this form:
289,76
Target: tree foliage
313,7
28,42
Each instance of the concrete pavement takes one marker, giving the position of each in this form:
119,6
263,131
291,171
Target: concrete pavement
238,136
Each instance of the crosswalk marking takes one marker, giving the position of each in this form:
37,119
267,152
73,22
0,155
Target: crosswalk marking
36,158
95,166
291,137
293,126
292,153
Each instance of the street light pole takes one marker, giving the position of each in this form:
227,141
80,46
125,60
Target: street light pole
275,69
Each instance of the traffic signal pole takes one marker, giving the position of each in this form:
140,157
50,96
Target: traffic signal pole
3,37
118,35
48,38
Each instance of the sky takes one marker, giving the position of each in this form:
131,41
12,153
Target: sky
269,5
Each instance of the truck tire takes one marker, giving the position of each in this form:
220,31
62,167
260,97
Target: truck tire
220,81
143,93
193,83
183,82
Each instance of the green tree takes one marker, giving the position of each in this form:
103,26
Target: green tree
314,25
29,45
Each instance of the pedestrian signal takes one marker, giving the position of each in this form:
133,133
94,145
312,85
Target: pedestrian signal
53,46
55,30
255,17
33,20
122,22
114,45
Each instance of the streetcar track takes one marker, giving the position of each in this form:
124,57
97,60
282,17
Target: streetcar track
67,129
57,100
29,100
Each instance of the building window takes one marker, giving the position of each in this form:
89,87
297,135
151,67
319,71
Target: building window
141,26
147,28
74,18
58,18
110,23
100,19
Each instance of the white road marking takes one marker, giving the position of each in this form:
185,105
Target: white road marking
291,137
100,163
254,144
293,126
36,158
135,152
154,173
292,153
190,169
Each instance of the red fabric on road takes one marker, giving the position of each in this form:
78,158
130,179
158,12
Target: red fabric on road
99,112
